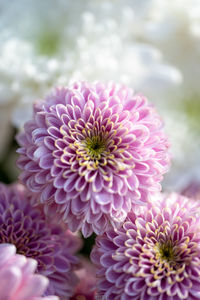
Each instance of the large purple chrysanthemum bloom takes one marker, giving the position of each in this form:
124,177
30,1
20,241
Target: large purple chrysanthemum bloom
18,280
154,255
50,245
95,150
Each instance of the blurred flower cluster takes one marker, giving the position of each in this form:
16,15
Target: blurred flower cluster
98,101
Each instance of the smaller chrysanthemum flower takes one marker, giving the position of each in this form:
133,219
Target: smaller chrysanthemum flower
18,280
52,246
94,150
154,255
86,288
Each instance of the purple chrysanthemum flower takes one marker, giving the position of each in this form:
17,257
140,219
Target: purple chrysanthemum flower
154,255
18,280
95,150
50,245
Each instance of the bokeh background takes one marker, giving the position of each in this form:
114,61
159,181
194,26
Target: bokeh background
152,46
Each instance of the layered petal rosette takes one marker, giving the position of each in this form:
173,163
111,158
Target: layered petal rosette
154,255
50,245
94,150
18,280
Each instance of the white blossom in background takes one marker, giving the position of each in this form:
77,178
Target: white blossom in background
79,44
174,27
106,51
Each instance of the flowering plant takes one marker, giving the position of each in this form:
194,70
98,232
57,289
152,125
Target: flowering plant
87,214
91,159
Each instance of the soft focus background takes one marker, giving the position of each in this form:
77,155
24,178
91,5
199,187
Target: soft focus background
152,46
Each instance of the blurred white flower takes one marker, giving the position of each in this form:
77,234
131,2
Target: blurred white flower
174,27
51,43
105,52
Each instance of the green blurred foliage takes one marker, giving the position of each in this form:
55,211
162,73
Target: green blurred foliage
47,42
191,108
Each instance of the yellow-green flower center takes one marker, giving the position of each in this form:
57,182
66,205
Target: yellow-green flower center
166,251
95,146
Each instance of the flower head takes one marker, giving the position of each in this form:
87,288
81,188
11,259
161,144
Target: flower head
95,150
50,245
154,255
18,280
